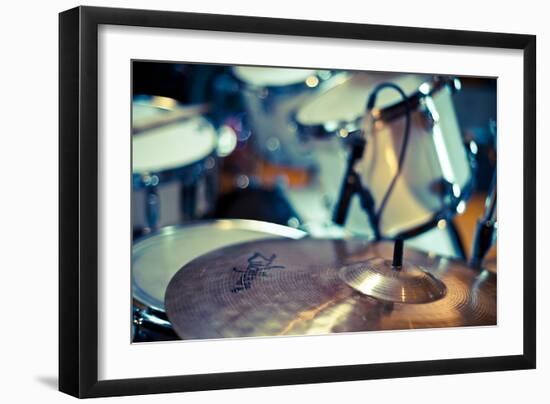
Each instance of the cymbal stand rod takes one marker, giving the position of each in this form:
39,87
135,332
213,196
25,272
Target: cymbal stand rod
486,228
397,261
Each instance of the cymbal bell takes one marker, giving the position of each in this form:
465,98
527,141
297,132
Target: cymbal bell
378,278
295,287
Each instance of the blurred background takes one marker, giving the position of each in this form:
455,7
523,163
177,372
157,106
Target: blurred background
274,145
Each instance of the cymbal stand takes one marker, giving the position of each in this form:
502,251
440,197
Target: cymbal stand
485,232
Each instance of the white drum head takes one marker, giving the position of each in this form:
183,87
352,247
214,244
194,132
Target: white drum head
172,146
346,102
271,76
157,258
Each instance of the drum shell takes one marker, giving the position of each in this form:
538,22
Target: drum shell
184,194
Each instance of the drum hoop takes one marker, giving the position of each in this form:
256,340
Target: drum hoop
145,100
240,224
142,296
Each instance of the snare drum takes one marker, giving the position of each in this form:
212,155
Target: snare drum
158,256
173,165
271,97
436,177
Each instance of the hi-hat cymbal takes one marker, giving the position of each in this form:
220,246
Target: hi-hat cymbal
295,287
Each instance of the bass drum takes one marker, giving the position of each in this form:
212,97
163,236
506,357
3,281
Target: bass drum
158,256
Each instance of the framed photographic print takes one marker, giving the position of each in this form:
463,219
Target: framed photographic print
251,201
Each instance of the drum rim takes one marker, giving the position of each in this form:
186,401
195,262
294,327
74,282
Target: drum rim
240,224
386,114
145,100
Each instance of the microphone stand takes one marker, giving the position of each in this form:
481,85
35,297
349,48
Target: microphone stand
352,181
352,185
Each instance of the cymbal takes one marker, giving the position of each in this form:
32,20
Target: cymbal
296,287
378,278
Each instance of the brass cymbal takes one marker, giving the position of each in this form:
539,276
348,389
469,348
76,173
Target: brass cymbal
377,277
295,287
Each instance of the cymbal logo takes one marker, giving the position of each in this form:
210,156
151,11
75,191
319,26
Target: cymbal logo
258,265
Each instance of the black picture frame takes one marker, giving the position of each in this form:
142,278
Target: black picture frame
78,200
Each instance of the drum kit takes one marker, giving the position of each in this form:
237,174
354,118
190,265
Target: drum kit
381,162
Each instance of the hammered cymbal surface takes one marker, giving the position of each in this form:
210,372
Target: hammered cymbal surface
294,287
